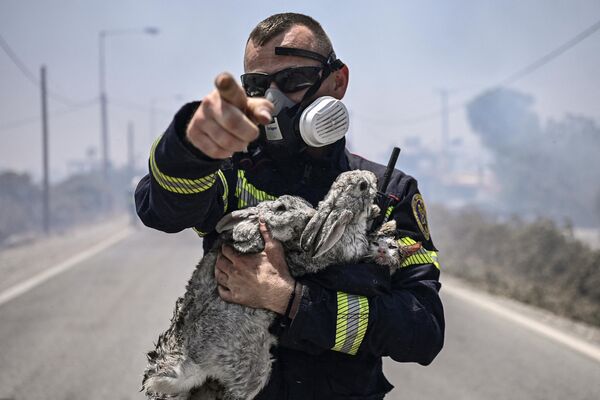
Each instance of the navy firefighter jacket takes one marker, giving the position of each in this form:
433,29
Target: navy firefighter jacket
350,316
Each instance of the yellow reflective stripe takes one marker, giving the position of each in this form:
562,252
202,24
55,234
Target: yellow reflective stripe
247,194
178,185
199,232
351,323
422,256
417,259
341,322
221,176
388,212
407,241
434,257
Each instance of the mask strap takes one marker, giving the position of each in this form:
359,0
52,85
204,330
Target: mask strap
312,90
292,51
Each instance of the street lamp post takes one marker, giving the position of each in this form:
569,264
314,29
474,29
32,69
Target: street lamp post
104,142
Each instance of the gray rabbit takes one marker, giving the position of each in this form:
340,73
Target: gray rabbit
212,343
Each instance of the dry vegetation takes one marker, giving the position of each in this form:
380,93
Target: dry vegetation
535,262
73,201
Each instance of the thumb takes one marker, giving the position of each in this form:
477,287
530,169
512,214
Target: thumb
230,91
264,231
273,246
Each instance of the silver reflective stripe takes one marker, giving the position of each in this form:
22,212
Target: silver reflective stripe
353,317
351,322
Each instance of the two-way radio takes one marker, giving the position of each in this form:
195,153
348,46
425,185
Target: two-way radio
385,200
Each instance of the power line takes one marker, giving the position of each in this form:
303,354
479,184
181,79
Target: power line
15,59
37,118
31,77
552,55
126,104
534,66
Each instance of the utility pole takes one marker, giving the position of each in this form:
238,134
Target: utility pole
46,189
130,150
103,108
107,189
104,142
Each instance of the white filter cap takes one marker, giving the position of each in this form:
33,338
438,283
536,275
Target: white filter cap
324,121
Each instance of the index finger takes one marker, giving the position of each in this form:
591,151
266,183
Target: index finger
230,91
227,252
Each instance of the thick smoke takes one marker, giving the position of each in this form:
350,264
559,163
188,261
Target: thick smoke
550,169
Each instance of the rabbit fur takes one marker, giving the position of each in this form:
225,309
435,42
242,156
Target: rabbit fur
210,339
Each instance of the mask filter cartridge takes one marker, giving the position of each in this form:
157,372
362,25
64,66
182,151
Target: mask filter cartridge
324,121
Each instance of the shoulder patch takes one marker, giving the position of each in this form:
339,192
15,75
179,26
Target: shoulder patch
418,208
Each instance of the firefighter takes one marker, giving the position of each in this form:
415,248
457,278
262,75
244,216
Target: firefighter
282,132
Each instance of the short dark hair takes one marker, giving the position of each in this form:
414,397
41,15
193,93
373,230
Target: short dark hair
276,24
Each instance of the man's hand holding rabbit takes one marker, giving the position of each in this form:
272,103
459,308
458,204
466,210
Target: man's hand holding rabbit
259,280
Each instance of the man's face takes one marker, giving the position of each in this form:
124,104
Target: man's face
263,59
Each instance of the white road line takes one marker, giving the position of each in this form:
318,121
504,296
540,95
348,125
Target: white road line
576,344
25,286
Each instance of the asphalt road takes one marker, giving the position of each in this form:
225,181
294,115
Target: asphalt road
83,334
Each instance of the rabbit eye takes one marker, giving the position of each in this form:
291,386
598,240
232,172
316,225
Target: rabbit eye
375,244
363,186
392,246
280,207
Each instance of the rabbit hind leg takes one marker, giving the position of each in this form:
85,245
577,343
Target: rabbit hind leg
180,378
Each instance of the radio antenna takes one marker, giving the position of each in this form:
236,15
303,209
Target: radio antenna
390,168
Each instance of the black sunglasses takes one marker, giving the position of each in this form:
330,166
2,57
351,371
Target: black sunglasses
288,80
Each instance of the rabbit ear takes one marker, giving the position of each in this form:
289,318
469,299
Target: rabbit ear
330,234
230,220
332,231
312,229
323,231
411,249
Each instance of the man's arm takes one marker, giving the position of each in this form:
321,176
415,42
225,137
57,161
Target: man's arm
358,310
401,317
406,324
186,186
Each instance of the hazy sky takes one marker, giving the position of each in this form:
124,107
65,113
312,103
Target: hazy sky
399,54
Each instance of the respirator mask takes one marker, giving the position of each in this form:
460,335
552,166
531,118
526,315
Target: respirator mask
295,126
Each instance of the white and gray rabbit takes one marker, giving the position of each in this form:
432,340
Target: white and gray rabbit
212,343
